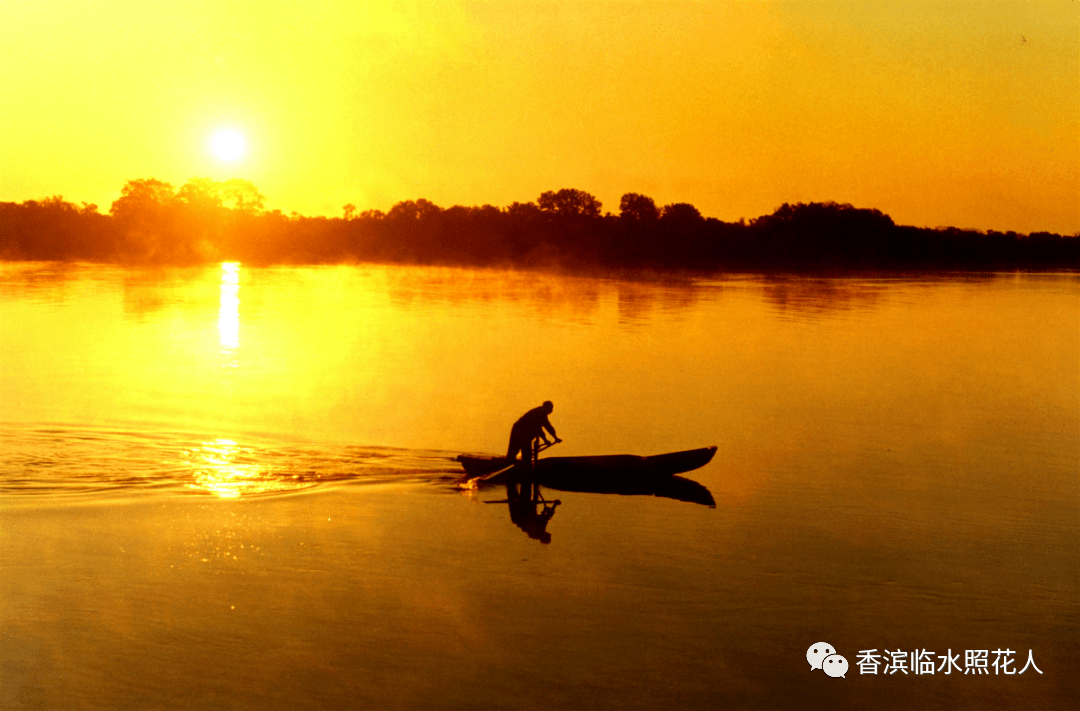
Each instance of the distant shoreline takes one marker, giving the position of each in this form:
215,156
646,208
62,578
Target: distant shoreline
206,221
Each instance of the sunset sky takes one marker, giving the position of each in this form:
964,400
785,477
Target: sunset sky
951,113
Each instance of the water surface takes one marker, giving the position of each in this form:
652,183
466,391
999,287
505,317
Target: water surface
229,487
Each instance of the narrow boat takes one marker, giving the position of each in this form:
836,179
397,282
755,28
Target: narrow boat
625,474
615,467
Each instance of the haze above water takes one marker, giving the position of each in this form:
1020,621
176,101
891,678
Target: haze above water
229,487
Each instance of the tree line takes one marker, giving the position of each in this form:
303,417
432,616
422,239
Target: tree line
152,222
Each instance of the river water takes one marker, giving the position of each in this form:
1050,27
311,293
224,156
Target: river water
229,487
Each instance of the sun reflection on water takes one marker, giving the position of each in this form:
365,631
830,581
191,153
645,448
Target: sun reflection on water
228,470
229,311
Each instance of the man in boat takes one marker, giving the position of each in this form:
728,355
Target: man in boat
529,427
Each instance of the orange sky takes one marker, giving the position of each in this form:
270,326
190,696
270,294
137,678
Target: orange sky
952,113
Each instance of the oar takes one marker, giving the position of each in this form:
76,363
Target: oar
492,475
549,445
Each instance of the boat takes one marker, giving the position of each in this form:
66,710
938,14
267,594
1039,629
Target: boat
614,467
625,474
618,466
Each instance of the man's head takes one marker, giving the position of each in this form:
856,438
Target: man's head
548,407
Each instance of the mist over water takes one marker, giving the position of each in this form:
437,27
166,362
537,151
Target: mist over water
235,487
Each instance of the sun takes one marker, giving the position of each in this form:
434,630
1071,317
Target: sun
228,145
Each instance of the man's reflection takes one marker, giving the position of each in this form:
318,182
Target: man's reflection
524,498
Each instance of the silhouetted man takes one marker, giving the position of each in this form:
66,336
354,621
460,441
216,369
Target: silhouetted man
528,427
523,498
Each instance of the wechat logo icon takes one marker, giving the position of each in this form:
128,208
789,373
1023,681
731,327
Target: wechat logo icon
823,656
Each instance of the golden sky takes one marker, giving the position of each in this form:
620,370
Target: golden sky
954,113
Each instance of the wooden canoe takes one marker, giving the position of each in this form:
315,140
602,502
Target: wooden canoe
625,474
617,467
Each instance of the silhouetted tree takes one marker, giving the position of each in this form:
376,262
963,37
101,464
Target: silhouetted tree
200,194
568,202
413,210
681,226
681,214
143,200
53,228
825,234
242,196
145,215
206,220
633,206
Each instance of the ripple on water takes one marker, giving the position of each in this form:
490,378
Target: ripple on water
53,461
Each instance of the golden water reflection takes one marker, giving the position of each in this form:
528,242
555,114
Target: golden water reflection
229,311
228,470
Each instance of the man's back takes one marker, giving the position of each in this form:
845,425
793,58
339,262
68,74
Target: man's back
534,418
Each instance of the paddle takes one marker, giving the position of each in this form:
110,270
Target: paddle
492,475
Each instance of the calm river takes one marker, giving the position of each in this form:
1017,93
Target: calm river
235,488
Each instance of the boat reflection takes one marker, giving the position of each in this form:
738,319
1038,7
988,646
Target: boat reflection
673,487
531,511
